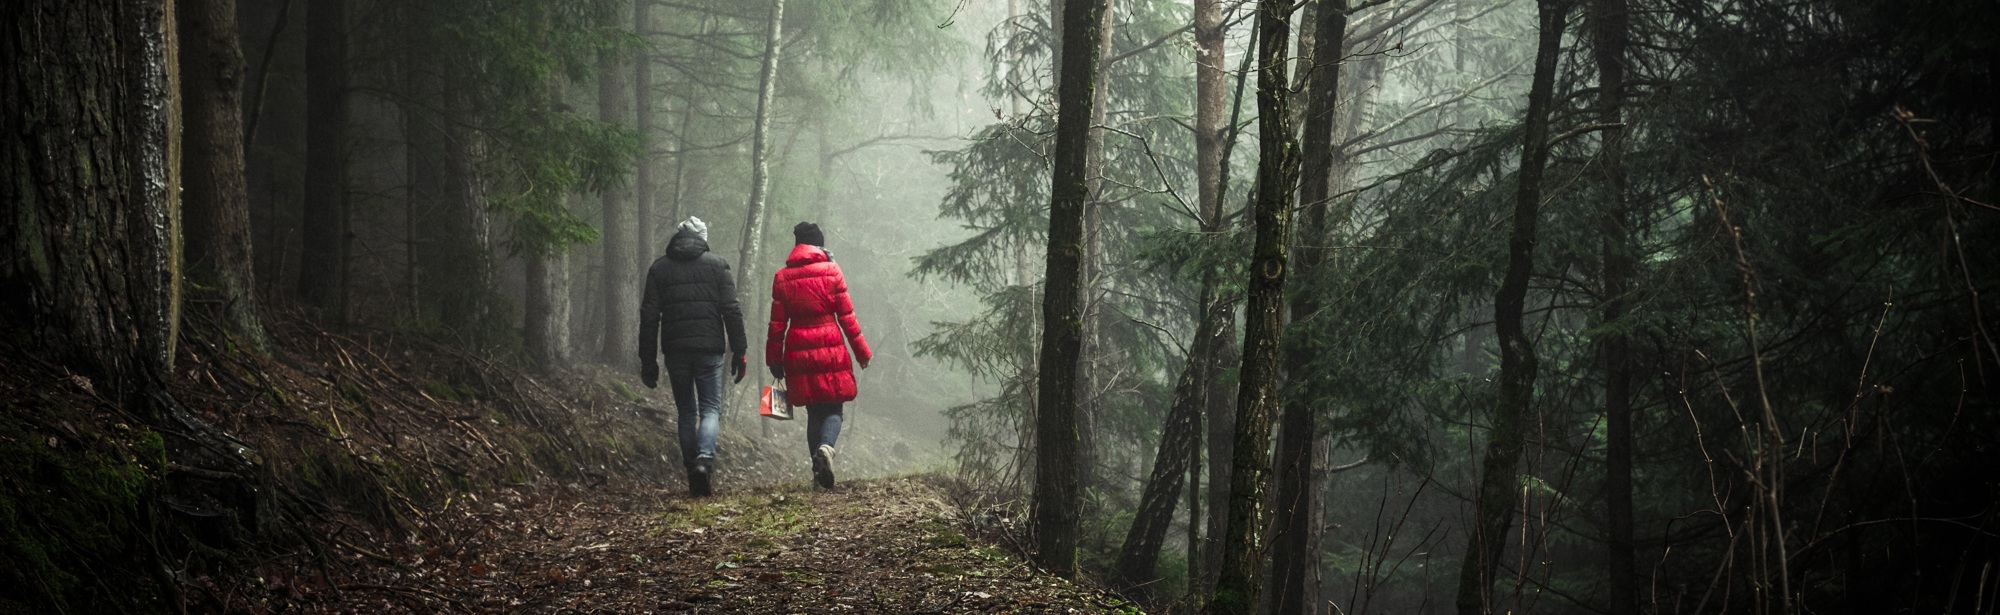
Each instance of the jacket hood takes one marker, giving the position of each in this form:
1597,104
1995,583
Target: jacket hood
806,254
687,245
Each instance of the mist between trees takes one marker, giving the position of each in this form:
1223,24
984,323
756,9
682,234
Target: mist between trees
1384,306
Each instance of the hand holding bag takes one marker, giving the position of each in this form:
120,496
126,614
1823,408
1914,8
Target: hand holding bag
774,406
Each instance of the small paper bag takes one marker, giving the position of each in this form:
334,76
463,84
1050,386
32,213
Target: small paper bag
774,404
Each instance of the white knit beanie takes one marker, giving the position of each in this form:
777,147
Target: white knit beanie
696,225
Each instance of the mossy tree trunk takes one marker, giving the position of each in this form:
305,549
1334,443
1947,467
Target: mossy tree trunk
1494,503
1295,558
1139,556
1240,577
214,189
1057,498
87,263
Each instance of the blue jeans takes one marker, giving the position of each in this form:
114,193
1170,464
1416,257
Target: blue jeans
697,383
822,425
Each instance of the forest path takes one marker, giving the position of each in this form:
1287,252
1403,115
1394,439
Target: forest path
890,545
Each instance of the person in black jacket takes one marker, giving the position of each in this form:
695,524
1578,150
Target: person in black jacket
689,314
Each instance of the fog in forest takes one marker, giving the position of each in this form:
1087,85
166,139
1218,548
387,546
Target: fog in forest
1206,306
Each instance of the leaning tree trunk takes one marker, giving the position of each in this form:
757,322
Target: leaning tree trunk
323,233
1241,573
87,265
760,152
214,194
1056,502
1295,559
1608,35
1494,503
1140,554
620,300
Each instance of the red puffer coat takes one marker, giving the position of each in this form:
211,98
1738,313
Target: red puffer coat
809,311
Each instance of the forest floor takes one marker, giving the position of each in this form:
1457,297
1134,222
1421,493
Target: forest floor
416,477
367,471
891,545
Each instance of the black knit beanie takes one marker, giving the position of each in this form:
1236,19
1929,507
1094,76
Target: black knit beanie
808,233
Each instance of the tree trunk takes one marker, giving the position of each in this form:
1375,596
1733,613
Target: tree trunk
213,191
1240,576
1608,34
1221,410
679,210
1221,407
448,224
546,310
642,119
87,267
1057,499
322,253
620,300
1094,352
1494,505
1140,554
1295,560
760,152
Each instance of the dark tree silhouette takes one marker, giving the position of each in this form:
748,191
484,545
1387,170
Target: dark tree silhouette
1494,505
216,206
1295,555
323,233
1057,501
1240,576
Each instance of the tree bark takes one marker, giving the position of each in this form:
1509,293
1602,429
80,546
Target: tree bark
1094,353
215,201
1221,408
1608,37
87,268
1140,554
620,300
448,224
1240,576
1057,499
1494,506
643,189
323,238
760,152
546,310
1295,559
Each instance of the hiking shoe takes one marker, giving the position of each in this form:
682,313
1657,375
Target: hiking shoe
823,466
698,477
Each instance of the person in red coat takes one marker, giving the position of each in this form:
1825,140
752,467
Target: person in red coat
810,315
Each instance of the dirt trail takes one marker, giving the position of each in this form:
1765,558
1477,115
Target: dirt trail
883,546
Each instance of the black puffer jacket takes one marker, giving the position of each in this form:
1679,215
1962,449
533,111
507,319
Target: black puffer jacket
690,303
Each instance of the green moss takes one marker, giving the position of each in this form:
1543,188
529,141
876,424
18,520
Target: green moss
70,505
619,388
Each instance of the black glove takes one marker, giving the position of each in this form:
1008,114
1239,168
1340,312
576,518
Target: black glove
650,374
778,371
739,365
